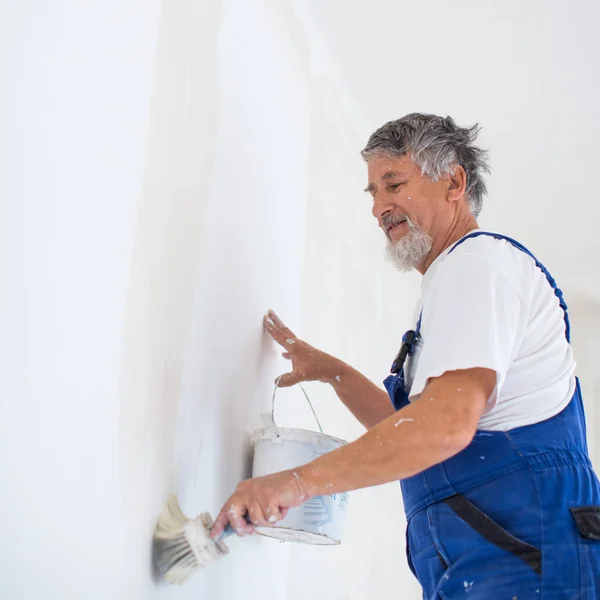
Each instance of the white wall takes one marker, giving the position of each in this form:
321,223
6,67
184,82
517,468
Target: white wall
74,126
170,171
151,219
526,72
154,207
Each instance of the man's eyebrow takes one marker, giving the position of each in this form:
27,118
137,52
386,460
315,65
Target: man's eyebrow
392,175
388,175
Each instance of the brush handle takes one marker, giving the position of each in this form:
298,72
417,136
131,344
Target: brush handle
229,531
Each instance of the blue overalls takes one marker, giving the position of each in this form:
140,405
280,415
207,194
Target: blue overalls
516,515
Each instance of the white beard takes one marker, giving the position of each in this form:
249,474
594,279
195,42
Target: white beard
411,250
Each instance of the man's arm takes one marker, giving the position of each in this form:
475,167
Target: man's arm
440,424
367,402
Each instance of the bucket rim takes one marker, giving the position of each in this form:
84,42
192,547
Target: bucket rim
312,538
259,434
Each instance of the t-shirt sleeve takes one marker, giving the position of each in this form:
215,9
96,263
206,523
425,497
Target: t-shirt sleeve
471,318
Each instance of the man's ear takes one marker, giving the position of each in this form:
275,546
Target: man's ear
457,183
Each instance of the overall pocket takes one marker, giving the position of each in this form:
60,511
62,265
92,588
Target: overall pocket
587,520
424,559
491,539
411,566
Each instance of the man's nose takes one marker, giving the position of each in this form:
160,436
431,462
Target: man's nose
381,206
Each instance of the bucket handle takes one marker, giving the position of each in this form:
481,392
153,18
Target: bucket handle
307,399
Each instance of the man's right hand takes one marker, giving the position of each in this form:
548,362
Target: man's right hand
308,363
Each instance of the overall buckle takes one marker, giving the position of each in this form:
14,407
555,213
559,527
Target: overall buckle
407,342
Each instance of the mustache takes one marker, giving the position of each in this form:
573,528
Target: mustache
388,221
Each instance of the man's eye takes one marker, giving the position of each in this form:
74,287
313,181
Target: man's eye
394,186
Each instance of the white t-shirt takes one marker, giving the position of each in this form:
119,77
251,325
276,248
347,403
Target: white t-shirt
486,304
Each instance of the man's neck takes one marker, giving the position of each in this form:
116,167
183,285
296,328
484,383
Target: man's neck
441,243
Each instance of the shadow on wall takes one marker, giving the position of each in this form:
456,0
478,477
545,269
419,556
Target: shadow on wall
241,388
166,254
584,311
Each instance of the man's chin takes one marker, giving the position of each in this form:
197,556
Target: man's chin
398,256
410,251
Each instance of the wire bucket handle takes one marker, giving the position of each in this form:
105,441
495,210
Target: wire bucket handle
307,399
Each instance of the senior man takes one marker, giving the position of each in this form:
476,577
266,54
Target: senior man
485,429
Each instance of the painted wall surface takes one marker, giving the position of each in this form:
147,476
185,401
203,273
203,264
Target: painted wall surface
74,128
169,171
149,220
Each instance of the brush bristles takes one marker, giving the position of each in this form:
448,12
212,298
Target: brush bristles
182,545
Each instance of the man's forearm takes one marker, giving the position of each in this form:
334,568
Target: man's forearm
367,402
434,428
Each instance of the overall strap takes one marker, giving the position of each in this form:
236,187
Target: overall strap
410,336
557,292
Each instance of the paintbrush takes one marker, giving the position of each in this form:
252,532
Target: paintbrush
182,545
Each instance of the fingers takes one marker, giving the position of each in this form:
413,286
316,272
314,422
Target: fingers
274,514
279,324
256,515
219,524
288,380
261,501
237,518
274,332
278,331
243,511
234,514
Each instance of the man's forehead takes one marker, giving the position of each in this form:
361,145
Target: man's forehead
384,168
382,165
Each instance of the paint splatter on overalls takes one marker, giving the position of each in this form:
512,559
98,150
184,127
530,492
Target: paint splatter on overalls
516,515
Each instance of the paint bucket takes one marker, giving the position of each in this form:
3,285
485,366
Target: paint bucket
320,520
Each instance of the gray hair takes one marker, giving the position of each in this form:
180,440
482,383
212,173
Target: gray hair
435,144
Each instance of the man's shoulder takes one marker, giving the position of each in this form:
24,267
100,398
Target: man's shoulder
488,252
497,251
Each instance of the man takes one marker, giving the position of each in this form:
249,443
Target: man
486,427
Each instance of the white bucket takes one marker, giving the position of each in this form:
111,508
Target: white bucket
320,520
